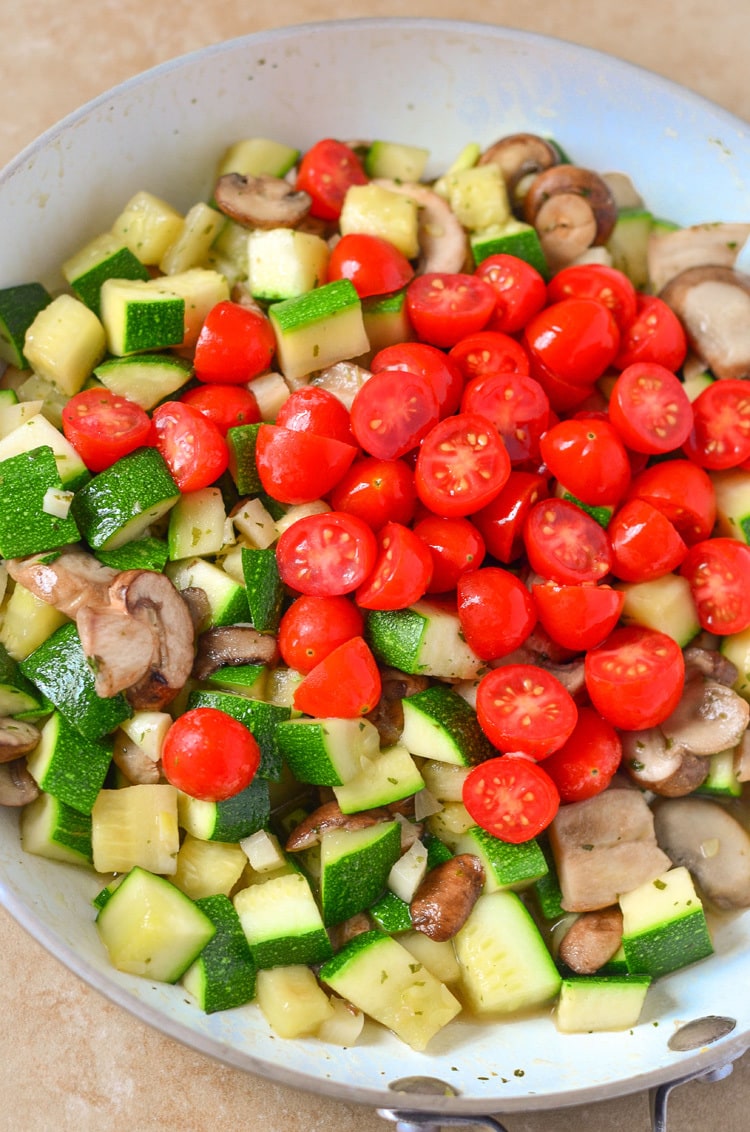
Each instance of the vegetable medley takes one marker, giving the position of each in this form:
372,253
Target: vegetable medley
376,622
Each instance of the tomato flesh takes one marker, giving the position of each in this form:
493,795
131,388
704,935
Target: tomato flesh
511,797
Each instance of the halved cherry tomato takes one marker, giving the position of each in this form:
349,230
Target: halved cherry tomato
635,678
103,426
683,492
327,171
489,351
501,522
718,571
575,340
511,797
401,573
588,459
299,467
373,265
461,465
314,409
439,368
209,755
444,307
495,610
585,764
654,335
377,491
345,684
326,554
520,291
192,446
720,437
578,617
455,546
565,544
650,409
235,344
228,406
521,707
596,281
392,412
517,406
645,545
313,626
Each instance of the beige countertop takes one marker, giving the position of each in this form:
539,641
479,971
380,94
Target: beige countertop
69,1059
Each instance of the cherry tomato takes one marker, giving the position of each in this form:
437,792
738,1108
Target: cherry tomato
327,171
645,545
650,409
512,797
720,437
455,546
103,426
328,554
373,265
461,465
440,370
585,764
517,406
488,352
520,291
313,409
313,626
345,684
495,610
588,459
521,707
228,406
392,412
683,492
192,446
578,617
401,573
502,520
718,571
444,307
635,678
596,281
299,467
565,544
654,335
235,344
209,755
377,491
574,340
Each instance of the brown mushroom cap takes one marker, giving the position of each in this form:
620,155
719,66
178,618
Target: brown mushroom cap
576,181
713,304
261,202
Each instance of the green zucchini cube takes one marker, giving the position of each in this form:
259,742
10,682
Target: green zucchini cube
61,671
25,526
19,306
69,766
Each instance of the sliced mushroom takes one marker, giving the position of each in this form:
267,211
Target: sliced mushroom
672,252
261,202
704,837
328,817
17,738
443,242
709,718
592,940
17,787
711,663
713,304
574,181
230,645
662,767
518,157
603,847
444,899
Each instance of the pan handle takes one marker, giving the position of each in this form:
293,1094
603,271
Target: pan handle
426,1122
